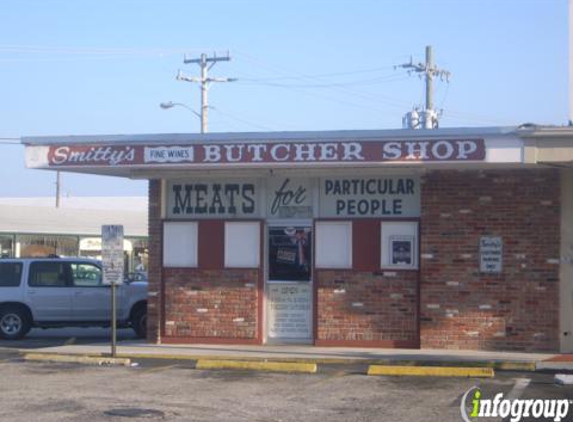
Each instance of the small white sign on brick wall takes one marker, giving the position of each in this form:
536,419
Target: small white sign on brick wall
491,254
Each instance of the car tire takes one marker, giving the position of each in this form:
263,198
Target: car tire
14,323
139,322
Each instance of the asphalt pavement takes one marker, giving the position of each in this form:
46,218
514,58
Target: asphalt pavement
157,387
175,391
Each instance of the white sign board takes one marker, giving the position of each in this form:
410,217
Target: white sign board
491,254
290,306
228,198
289,197
373,197
112,254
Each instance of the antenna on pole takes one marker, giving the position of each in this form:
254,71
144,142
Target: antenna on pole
206,64
427,118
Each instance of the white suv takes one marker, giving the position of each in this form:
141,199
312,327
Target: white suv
64,292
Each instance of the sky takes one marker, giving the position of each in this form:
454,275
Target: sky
103,67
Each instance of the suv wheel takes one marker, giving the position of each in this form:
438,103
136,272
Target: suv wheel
14,323
139,322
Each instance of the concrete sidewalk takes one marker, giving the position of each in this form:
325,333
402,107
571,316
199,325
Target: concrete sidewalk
324,355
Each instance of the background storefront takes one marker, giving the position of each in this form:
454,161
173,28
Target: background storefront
33,227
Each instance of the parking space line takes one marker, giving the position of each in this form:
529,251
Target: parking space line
519,388
70,341
160,368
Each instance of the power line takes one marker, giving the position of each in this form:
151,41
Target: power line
238,119
371,81
303,77
27,49
325,75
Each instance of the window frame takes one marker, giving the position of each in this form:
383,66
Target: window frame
192,261
231,265
411,234
66,268
348,223
16,264
73,279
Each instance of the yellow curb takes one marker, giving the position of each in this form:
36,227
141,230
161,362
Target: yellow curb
515,366
308,368
89,360
430,371
244,358
502,366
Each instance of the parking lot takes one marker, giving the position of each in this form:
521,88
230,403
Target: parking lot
175,391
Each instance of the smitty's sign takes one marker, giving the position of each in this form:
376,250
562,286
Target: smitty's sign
253,154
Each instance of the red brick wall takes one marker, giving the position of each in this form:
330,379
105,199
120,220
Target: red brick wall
211,303
459,307
515,310
367,307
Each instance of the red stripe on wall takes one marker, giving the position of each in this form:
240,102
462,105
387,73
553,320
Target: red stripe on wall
366,245
211,244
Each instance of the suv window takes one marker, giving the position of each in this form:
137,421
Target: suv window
10,274
47,274
86,275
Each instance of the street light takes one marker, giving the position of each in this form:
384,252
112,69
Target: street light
170,104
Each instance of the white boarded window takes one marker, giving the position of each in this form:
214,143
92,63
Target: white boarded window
334,244
180,244
399,241
242,244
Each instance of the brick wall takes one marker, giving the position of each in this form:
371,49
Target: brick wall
367,308
462,308
459,307
210,304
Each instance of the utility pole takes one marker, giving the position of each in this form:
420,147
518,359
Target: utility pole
428,117
58,186
206,64
570,62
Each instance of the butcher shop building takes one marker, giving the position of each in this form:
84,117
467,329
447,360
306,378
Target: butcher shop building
458,238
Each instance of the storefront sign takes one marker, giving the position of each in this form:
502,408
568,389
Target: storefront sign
491,254
289,198
289,315
202,199
94,244
370,197
251,153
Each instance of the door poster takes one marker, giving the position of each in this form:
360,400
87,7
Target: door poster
290,250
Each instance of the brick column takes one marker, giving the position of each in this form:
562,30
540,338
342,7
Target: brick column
155,264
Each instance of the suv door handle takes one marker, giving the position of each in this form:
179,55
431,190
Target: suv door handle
77,293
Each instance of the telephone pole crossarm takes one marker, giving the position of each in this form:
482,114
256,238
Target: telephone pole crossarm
430,72
205,63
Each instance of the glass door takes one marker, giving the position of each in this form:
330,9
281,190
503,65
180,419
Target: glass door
289,284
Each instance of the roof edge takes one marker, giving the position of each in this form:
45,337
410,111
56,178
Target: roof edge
268,136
